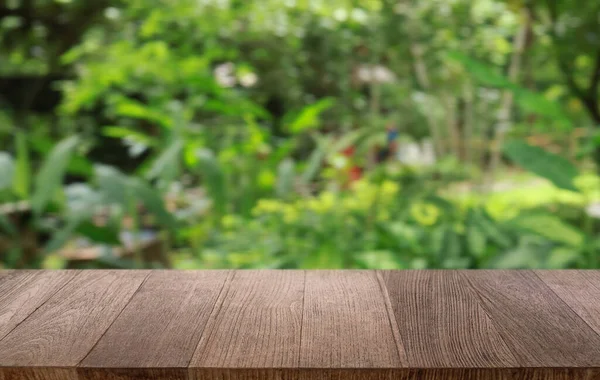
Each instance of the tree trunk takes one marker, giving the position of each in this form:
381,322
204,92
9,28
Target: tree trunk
423,80
505,113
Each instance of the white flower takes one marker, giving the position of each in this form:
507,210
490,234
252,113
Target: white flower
248,79
224,74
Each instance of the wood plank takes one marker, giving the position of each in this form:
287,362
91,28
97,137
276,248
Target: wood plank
540,329
32,373
503,374
578,289
132,374
64,329
304,374
160,328
256,325
346,323
441,322
22,292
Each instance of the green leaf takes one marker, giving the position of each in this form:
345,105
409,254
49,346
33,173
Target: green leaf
99,234
22,179
129,134
530,101
308,118
481,72
550,166
7,170
213,179
492,231
136,110
153,202
113,186
550,227
562,257
285,178
77,165
62,236
6,226
537,103
50,176
476,241
315,160
166,166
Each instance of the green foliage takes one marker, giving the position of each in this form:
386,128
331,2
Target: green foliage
550,166
237,131
308,118
7,171
49,178
22,172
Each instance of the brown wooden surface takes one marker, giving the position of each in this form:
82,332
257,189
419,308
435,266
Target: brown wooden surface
300,325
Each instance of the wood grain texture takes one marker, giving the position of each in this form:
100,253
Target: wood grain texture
441,322
161,326
64,329
31,373
257,323
132,373
540,329
300,325
24,291
346,323
303,374
503,374
578,289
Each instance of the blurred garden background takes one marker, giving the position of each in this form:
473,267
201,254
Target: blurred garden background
299,134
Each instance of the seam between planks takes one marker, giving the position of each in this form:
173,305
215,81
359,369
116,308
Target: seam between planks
565,303
302,318
77,274
464,280
392,319
213,314
114,320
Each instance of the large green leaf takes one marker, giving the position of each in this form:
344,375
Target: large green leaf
99,234
550,227
166,166
315,161
77,165
7,170
528,100
308,118
61,237
550,166
481,72
50,176
137,110
22,173
153,202
113,186
130,134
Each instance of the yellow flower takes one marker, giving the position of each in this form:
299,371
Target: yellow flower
425,214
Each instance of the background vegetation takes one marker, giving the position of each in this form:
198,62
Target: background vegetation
299,133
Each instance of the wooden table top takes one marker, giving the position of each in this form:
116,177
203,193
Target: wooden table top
361,325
